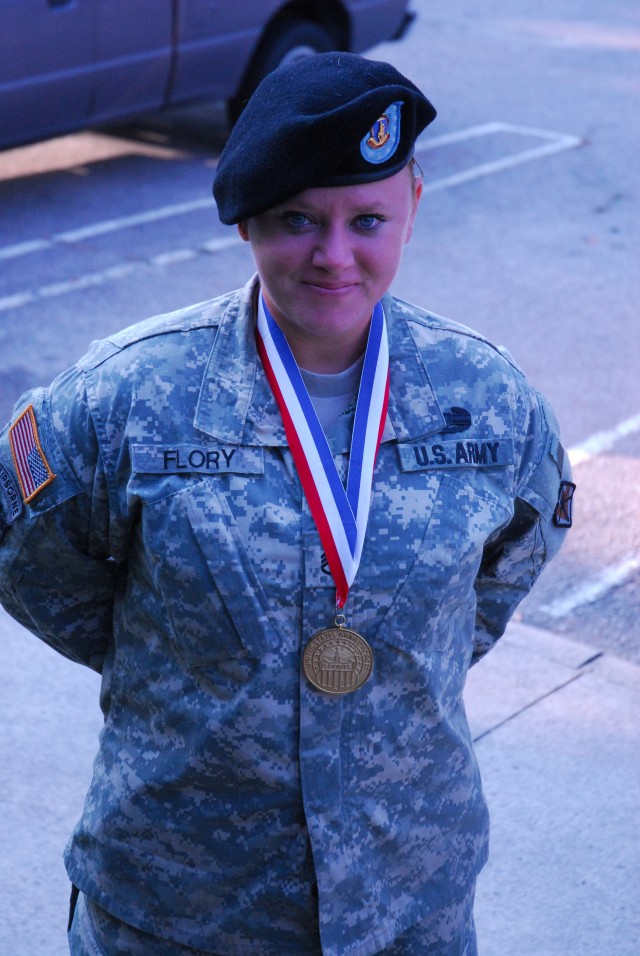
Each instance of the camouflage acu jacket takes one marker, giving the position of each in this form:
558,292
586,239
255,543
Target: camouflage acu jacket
154,528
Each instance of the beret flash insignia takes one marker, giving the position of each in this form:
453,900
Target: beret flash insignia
382,139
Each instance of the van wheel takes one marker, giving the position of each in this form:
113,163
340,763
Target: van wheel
285,42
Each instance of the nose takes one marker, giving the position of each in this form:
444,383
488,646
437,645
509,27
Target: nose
333,250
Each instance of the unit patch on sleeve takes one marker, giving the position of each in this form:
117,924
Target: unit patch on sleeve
563,514
32,467
10,494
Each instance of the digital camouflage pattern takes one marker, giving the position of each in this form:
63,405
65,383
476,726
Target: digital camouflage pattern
446,932
175,553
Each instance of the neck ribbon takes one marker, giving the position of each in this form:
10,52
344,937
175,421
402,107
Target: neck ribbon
340,515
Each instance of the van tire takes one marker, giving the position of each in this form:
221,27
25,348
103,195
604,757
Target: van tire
286,41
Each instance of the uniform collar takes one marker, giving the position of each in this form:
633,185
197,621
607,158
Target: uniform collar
413,407
236,405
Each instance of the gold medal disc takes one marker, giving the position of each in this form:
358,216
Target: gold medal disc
337,660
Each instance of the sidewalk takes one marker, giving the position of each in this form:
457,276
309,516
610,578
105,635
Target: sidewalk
559,747
558,741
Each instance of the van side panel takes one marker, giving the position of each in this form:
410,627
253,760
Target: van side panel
374,21
215,40
133,52
46,59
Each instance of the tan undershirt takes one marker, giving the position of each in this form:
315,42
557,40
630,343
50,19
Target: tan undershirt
331,394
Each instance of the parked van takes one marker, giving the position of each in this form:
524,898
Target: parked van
68,64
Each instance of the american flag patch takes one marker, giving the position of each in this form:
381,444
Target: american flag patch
32,467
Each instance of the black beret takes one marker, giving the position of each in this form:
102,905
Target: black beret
332,119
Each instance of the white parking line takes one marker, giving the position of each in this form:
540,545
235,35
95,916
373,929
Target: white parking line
603,441
140,219
73,236
591,590
553,143
566,140
87,280
114,273
25,248
612,577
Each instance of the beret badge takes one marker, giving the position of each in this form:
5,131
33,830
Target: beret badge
382,140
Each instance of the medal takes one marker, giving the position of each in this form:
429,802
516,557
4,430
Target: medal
337,660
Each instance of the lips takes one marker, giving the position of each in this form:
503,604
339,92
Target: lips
332,287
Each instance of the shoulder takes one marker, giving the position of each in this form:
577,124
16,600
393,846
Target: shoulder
461,364
144,377
166,333
429,329
468,371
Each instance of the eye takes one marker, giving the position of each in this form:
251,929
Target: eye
297,220
368,221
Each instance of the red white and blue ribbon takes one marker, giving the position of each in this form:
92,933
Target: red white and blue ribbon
340,516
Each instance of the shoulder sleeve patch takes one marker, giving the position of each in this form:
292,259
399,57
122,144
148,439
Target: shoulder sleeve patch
563,513
29,459
10,494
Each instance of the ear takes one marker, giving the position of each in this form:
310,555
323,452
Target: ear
242,229
417,196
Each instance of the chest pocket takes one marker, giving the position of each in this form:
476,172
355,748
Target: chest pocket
234,597
216,604
428,529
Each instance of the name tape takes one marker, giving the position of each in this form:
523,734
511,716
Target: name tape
185,458
470,453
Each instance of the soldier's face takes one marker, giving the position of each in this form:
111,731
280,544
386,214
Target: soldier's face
326,257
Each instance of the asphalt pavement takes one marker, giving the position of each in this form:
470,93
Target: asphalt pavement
555,724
